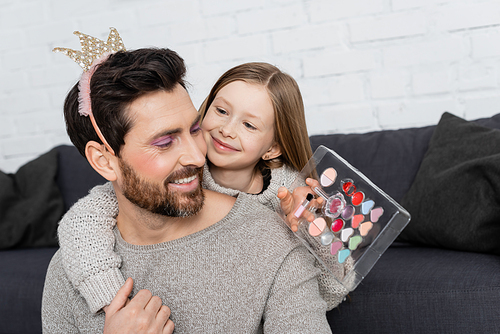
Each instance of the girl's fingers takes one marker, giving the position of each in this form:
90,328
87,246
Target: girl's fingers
286,200
290,202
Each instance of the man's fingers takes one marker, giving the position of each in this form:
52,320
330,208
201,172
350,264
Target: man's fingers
169,327
143,314
163,315
141,299
121,297
154,304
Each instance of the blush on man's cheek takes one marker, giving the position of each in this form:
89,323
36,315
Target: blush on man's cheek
148,166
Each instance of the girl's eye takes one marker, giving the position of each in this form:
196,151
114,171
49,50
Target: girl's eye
221,111
163,142
249,126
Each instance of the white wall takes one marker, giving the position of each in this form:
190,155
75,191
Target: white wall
362,65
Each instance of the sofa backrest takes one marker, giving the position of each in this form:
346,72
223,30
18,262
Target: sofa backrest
390,158
75,176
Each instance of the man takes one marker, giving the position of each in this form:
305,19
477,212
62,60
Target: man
221,264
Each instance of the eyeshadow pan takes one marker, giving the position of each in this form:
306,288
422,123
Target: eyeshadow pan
357,198
328,177
356,220
376,213
365,228
335,247
343,254
327,238
317,227
345,234
337,225
366,206
354,242
348,212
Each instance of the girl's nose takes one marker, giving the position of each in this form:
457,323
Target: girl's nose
227,130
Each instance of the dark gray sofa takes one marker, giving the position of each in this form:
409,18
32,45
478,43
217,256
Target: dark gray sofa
411,289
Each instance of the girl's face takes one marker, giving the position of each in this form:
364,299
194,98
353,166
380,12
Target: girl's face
239,127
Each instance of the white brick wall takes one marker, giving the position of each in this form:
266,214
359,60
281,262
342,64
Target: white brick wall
362,65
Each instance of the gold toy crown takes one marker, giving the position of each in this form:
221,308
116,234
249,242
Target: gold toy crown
93,48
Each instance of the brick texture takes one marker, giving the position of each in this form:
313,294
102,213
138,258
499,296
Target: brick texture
361,65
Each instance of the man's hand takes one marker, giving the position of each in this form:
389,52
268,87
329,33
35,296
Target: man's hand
291,201
143,314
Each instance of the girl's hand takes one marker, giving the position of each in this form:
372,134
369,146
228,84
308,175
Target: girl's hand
290,202
143,314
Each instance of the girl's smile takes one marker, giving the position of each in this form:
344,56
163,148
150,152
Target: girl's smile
239,126
222,147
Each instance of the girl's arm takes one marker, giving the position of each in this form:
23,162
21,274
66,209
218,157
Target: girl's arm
330,289
87,245
294,304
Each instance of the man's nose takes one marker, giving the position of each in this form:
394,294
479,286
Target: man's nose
192,154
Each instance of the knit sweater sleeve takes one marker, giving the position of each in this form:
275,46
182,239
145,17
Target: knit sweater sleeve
87,247
294,304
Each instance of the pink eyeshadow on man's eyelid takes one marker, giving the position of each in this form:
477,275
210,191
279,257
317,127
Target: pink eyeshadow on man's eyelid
197,125
162,141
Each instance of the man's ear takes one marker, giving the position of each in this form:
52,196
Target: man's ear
101,160
273,152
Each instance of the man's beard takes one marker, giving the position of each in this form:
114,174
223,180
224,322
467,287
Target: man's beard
159,199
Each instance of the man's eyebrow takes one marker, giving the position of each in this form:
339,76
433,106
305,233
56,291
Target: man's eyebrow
196,120
165,134
173,131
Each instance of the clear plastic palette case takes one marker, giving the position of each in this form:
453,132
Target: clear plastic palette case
356,223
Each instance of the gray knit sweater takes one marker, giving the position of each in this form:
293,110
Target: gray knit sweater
86,240
245,274
280,177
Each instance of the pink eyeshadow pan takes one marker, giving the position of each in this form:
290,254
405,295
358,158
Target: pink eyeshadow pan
328,177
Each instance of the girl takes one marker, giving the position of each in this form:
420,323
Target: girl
254,125
257,141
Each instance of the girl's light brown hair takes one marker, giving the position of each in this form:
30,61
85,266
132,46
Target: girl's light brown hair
290,131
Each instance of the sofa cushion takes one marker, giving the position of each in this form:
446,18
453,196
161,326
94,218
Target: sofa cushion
76,177
455,198
31,204
21,285
424,290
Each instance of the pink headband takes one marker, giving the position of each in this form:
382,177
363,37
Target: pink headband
94,52
84,103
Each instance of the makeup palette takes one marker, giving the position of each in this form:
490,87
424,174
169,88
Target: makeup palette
357,222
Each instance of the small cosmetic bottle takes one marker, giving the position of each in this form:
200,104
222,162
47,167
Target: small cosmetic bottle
303,206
